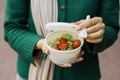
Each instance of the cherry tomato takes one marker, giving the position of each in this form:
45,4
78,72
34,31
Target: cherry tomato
63,46
63,40
76,43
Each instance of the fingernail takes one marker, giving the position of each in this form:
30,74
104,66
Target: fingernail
67,65
47,51
80,59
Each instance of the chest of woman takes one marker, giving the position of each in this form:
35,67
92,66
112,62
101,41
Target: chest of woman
72,10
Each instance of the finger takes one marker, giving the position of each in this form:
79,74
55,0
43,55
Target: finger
90,22
98,40
95,28
64,65
78,22
81,53
67,65
45,50
97,34
94,21
79,59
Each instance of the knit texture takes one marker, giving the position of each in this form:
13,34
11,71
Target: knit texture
21,35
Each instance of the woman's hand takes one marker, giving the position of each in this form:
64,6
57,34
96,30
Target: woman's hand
95,29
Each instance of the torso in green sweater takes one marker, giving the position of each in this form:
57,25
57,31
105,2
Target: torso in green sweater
23,39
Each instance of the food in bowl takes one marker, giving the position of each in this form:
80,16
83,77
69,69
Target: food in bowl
65,42
63,54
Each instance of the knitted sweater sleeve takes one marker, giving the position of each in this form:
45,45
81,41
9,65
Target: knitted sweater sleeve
109,11
16,32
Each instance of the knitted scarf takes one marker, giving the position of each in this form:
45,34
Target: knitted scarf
43,11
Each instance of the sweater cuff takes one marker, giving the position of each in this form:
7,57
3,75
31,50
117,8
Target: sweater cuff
109,38
29,47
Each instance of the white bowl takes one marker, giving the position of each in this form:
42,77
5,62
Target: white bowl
62,57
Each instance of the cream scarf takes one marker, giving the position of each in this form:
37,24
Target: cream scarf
43,11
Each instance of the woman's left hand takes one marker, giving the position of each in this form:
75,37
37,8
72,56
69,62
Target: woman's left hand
95,29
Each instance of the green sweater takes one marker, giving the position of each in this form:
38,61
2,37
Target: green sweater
20,33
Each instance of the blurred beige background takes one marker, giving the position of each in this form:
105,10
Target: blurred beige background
109,59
